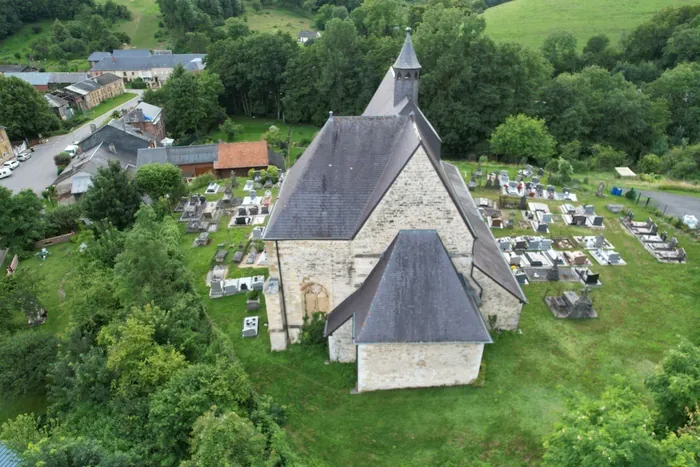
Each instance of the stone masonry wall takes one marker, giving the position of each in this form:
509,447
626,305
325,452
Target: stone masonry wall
495,300
394,366
340,345
417,200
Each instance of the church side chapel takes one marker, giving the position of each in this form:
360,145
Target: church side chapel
376,232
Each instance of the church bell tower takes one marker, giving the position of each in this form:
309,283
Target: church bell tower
406,72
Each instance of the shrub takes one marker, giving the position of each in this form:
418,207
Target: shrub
26,359
251,174
483,160
36,29
62,220
259,245
62,159
312,331
607,157
649,164
139,83
253,295
631,194
257,6
201,181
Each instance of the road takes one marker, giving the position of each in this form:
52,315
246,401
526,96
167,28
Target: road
40,171
677,205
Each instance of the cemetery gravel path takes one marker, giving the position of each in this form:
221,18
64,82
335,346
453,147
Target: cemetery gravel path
677,205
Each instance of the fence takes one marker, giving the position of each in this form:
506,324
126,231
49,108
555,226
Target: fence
54,240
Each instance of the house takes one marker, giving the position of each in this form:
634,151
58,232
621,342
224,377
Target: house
87,94
113,142
373,230
222,158
305,36
47,81
15,69
147,118
59,106
154,69
5,145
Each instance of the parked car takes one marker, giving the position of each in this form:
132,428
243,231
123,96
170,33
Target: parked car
24,156
72,150
13,164
5,172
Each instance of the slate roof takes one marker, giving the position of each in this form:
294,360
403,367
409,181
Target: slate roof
64,78
242,155
178,155
81,183
119,53
106,78
486,255
407,59
151,112
414,294
144,63
97,56
55,101
7,457
33,78
331,190
12,68
308,34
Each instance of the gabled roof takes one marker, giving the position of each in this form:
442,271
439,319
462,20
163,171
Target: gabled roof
119,53
414,294
407,59
12,68
487,256
331,190
55,101
67,78
33,78
242,155
97,56
106,78
178,155
308,34
145,63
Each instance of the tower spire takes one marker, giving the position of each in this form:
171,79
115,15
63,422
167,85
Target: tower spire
407,58
406,72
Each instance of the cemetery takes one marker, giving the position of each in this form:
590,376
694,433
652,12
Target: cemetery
658,245
581,216
571,305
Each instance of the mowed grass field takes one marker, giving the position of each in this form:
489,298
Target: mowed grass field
145,15
529,22
276,19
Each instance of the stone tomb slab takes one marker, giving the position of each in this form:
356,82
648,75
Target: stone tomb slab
563,243
577,258
542,275
607,257
588,277
594,242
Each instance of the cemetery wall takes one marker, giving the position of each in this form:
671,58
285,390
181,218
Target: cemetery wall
394,366
340,345
54,240
417,200
497,301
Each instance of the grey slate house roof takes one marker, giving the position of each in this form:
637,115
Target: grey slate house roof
414,294
145,63
97,56
126,139
7,457
55,101
119,53
179,155
407,59
13,68
67,78
33,78
487,256
106,79
308,34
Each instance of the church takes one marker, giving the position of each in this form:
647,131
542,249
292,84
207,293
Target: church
375,231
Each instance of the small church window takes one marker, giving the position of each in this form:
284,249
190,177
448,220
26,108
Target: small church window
398,75
316,299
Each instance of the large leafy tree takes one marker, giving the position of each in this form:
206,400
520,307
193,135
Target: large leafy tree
158,180
615,430
25,362
522,136
560,48
594,106
24,111
469,84
680,87
380,17
112,197
676,387
20,220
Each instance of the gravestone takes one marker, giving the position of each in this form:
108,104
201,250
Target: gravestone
489,182
251,258
664,236
257,233
515,260
202,239
242,212
540,171
546,244
497,222
599,193
535,180
598,221
241,220
237,256
566,190
600,241
504,245
520,245
253,210
547,217
553,273
519,178
234,180
252,194
217,288
478,170
496,184
578,220
265,210
613,257
268,184
521,277
590,277
221,256
510,224
589,209
673,242
542,227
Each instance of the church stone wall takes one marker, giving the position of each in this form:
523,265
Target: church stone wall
395,366
417,200
340,345
497,301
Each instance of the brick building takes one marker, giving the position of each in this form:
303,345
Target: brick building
154,69
372,229
84,95
147,118
6,152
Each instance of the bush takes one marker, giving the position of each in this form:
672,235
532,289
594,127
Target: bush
259,245
631,194
253,295
26,358
483,159
607,157
62,159
201,181
139,83
251,174
62,220
649,164
312,331
257,6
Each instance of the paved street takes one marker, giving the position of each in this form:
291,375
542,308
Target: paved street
677,205
40,171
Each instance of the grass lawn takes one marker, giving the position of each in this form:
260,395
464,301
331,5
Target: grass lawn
109,105
277,19
145,15
529,22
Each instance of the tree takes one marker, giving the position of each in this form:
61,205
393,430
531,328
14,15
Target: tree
522,136
226,439
615,430
151,268
231,129
559,48
682,162
20,220
62,159
594,106
684,44
62,219
607,158
560,170
680,88
676,387
24,111
26,358
112,197
599,52
160,180
18,433
380,17
649,164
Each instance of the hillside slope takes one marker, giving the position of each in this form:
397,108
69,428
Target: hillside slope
529,22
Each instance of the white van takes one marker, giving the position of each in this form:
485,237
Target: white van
72,150
5,172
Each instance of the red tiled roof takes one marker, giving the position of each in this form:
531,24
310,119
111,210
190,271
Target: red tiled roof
242,155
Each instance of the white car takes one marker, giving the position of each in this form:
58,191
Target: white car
24,156
13,164
72,150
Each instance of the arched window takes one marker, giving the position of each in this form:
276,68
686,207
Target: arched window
315,299
398,75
